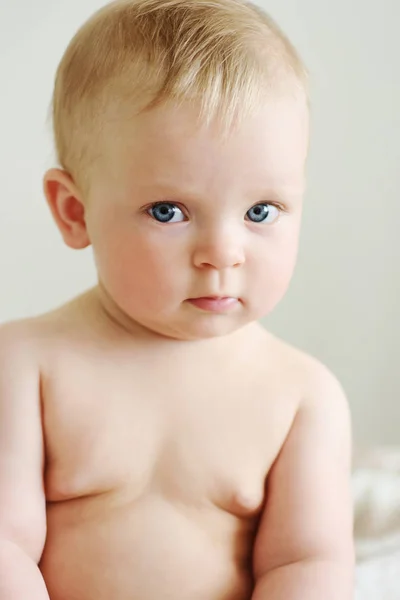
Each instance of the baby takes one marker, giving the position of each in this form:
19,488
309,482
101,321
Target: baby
156,442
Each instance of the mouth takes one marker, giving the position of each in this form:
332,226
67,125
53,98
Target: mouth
215,303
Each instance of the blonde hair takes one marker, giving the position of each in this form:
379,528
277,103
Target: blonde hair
133,55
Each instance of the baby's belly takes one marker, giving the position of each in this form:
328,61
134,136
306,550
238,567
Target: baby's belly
103,549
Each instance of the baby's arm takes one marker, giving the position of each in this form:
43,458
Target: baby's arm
22,498
304,547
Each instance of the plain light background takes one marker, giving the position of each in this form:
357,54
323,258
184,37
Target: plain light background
343,303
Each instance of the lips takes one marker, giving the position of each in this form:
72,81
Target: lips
214,303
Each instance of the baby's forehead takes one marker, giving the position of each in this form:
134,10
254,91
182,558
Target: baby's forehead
168,153
175,131
176,120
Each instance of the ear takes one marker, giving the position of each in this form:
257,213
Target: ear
67,208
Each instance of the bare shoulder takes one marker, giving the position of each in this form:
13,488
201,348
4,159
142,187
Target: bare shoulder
316,383
323,395
320,399
17,342
34,337
20,346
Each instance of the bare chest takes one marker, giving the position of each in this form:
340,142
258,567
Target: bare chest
193,441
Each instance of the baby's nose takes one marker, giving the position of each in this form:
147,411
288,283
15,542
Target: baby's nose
219,252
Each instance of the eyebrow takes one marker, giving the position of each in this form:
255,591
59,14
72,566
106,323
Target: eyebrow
274,192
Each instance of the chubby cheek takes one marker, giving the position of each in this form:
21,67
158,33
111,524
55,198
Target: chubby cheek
136,272
271,278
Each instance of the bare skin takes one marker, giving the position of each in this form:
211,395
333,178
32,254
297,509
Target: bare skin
155,472
150,449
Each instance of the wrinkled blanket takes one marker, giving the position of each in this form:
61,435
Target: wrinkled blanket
376,492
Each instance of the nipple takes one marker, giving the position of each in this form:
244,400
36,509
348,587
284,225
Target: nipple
247,503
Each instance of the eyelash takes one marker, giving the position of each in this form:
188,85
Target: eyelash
160,203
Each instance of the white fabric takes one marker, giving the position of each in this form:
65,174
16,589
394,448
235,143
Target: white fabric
376,491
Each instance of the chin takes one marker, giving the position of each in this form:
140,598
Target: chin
204,329
209,330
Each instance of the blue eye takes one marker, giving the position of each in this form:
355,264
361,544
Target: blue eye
263,213
165,212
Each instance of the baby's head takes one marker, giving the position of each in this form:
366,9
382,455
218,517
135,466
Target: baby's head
181,129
